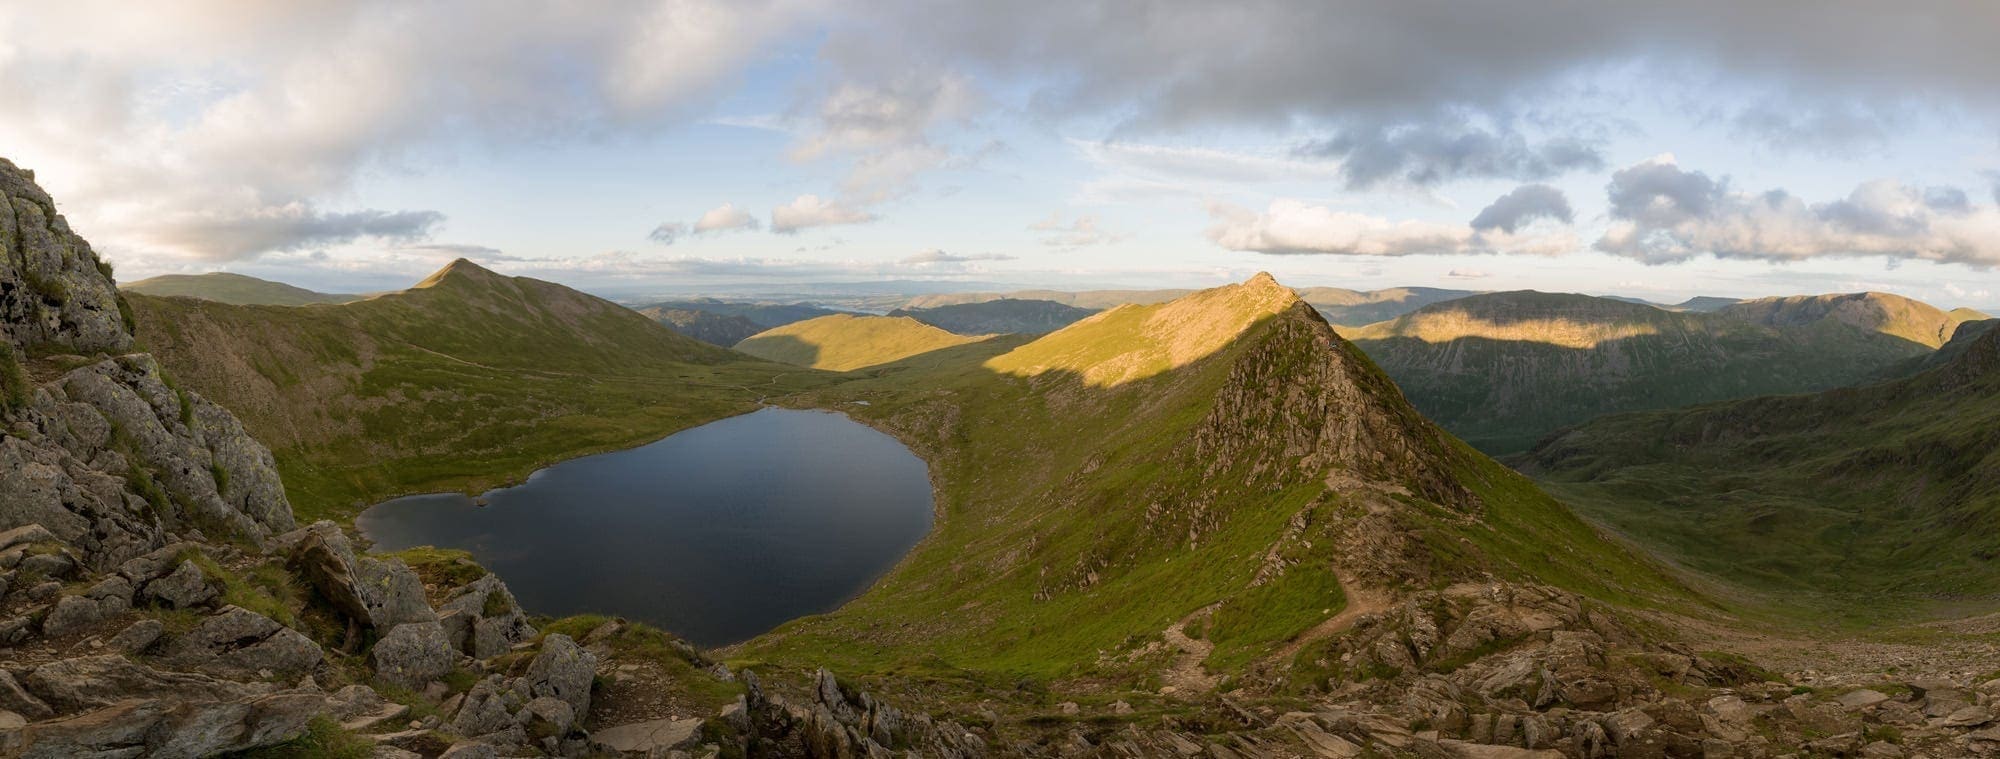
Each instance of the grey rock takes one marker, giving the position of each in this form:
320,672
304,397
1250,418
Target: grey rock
242,643
138,636
487,709
15,698
186,587
563,670
374,592
546,717
25,535
71,614
473,630
178,729
647,738
90,682
470,751
413,655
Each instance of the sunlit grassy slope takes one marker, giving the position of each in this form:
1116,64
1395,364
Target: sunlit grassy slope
1504,370
1874,502
845,342
1226,450
466,381
224,287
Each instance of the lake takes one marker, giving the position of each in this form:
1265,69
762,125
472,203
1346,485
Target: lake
718,533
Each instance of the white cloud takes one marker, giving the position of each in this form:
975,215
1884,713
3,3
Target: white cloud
1292,227
724,218
940,257
166,127
1467,274
807,211
886,128
1662,213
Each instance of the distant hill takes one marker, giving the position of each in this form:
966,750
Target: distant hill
845,342
1504,369
224,287
1886,497
1882,313
1353,308
1095,300
1968,315
1706,303
1002,316
764,315
706,326
464,381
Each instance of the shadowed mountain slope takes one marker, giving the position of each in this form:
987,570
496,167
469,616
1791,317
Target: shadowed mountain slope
845,342
224,287
1339,305
997,317
464,381
1872,498
764,315
1504,369
706,326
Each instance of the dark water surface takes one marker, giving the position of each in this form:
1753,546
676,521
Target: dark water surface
717,533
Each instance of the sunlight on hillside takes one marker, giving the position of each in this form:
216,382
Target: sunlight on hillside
1446,326
1131,343
846,342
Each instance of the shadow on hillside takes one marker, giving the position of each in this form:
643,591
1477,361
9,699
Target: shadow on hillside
784,349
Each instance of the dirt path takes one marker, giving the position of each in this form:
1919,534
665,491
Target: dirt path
1187,676
1359,603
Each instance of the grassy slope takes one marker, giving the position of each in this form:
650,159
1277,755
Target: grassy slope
1080,512
1503,370
223,287
466,382
844,342
1872,502
706,326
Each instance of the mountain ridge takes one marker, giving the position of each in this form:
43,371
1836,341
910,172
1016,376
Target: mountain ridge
238,289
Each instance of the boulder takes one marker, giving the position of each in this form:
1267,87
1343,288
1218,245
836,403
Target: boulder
649,738
173,729
90,682
238,642
563,670
15,698
483,619
71,614
138,636
186,587
413,655
372,592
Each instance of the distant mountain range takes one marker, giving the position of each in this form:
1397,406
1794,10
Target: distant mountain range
1504,369
1002,316
845,342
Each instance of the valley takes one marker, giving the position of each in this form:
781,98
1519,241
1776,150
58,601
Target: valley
1204,521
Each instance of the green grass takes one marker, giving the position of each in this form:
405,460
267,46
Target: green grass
1077,519
237,289
1853,507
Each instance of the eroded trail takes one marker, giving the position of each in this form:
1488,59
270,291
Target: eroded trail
1187,676
1360,603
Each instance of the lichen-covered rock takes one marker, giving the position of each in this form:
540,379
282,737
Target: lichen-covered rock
238,642
413,655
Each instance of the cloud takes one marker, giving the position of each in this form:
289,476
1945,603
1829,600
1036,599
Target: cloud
480,253
807,211
1082,232
1425,154
1203,164
1291,227
1524,204
1467,274
885,129
941,257
222,236
1163,65
208,113
1663,214
725,218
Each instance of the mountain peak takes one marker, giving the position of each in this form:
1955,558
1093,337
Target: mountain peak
461,270
1134,342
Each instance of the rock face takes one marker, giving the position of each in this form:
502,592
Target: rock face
52,292
375,593
842,722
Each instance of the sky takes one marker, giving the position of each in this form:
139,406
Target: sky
1654,150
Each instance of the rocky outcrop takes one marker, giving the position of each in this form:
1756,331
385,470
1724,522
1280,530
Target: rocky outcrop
843,722
54,292
241,643
543,706
483,620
